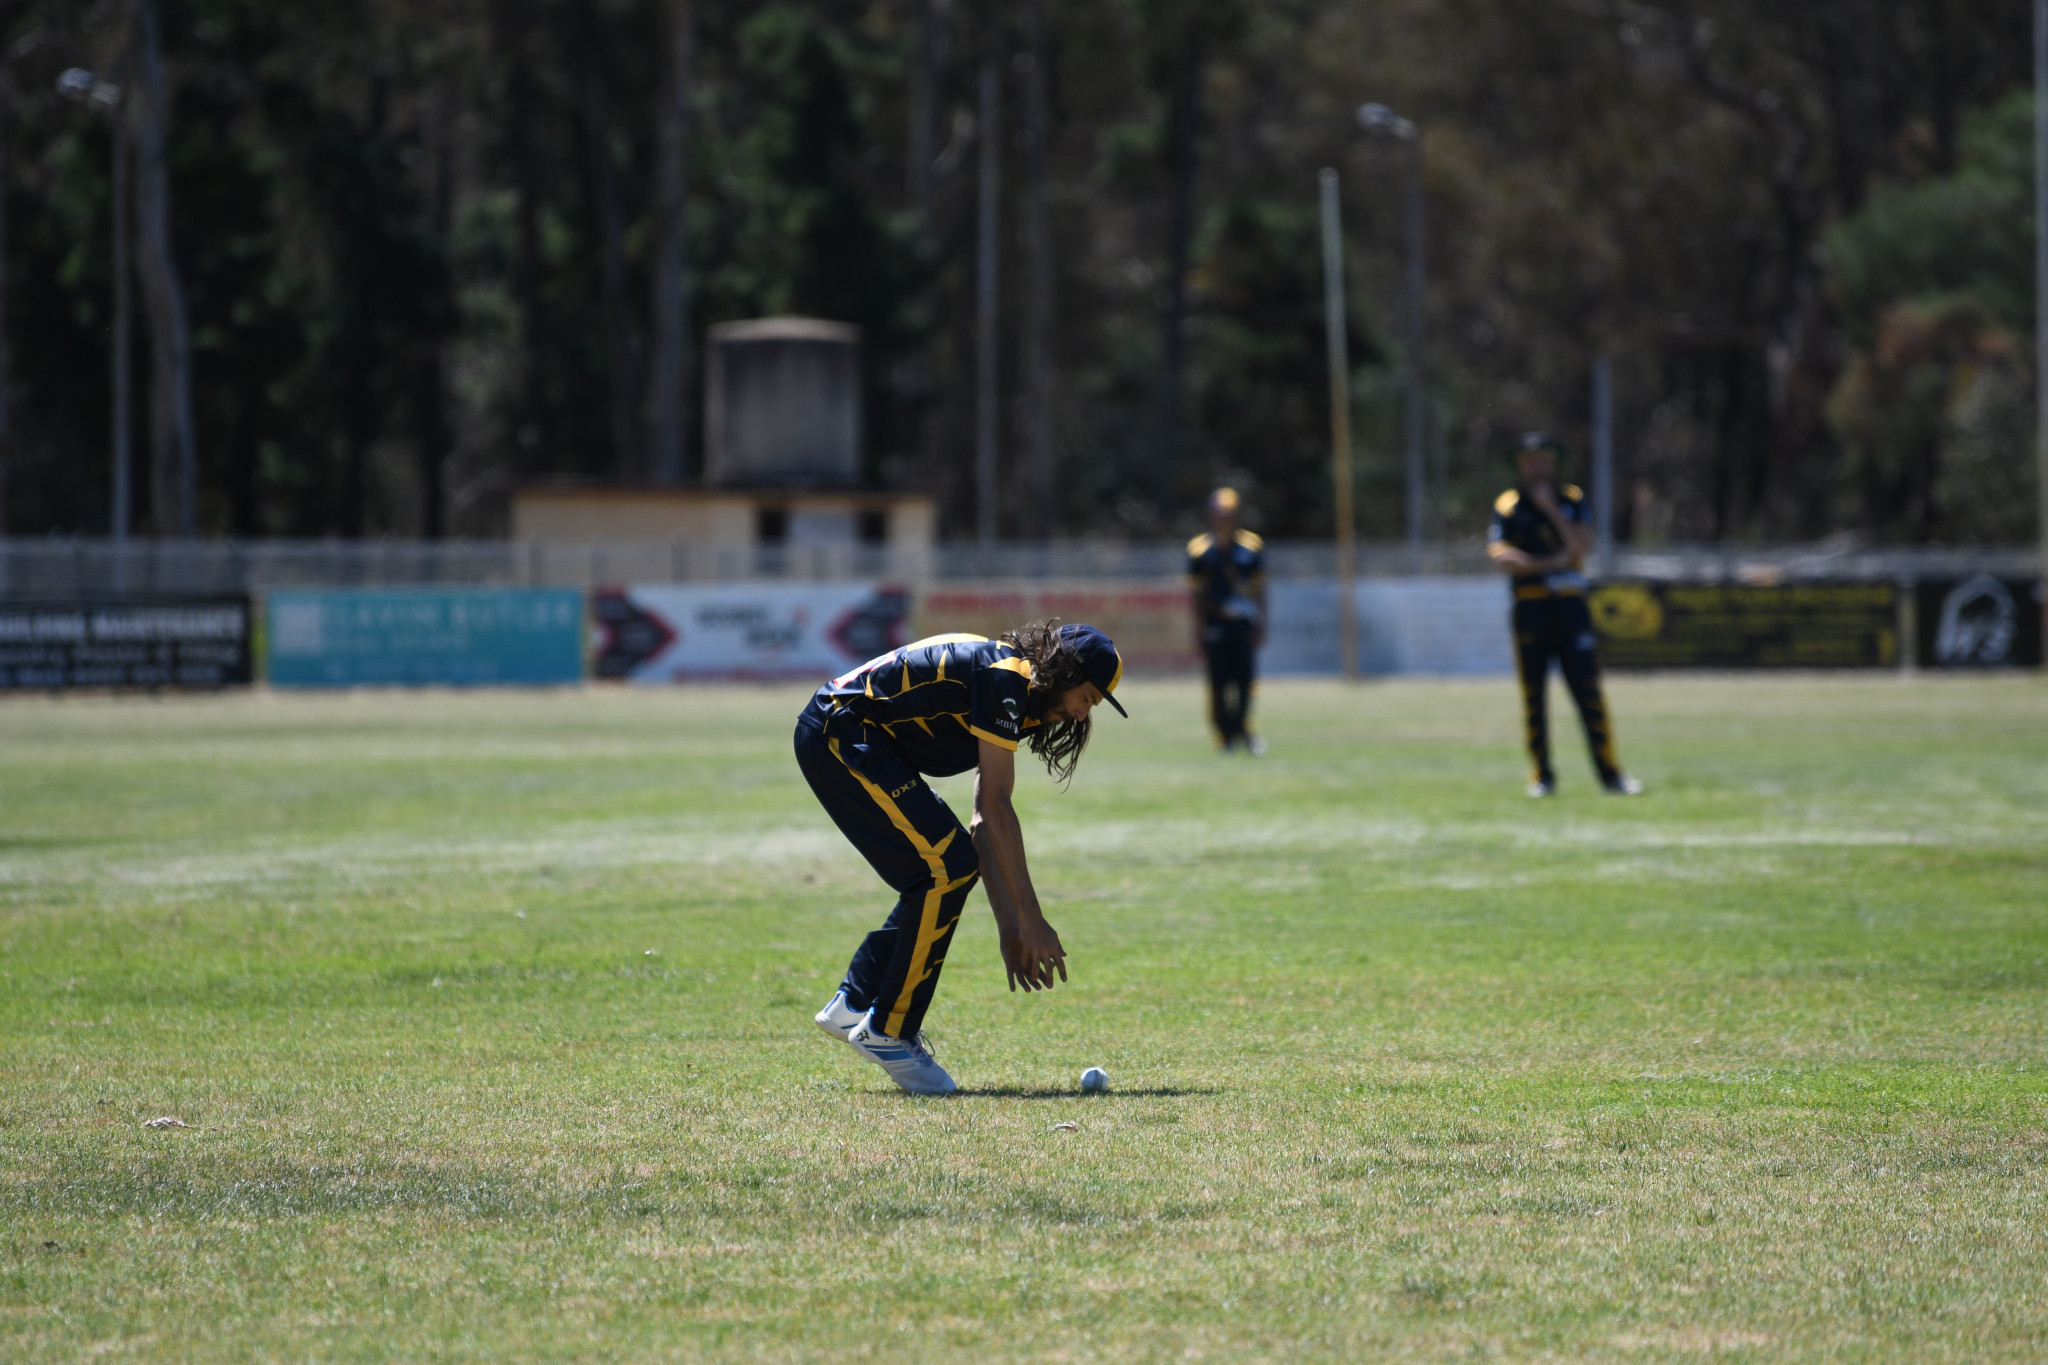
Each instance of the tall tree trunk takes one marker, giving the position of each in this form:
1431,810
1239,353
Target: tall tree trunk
245,449
174,456
987,296
430,403
922,137
122,520
1038,284
1183,128
360,347
535,448
1753,468
621,336
930,175
6,442
668,382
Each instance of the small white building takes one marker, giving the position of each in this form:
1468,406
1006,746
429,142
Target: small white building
782,460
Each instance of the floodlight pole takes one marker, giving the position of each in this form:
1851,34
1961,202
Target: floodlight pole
1416,414
2041,296
1340,428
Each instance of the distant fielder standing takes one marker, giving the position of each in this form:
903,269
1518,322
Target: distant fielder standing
937,707
1227,587
1539,537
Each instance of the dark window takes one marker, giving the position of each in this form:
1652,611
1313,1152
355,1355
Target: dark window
771,525
872,526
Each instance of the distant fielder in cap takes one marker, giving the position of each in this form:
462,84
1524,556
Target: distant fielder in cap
1227,588
934,708
1539,537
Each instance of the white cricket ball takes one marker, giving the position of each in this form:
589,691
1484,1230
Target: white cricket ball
1094,1080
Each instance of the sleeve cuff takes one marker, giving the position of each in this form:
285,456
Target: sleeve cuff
996,740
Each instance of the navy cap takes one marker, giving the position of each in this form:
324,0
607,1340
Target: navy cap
1538,440
1100,662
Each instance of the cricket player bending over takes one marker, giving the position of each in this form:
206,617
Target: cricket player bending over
934,708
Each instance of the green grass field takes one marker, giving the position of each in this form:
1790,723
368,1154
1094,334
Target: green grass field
489,1016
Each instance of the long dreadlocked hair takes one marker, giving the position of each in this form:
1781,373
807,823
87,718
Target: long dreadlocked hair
1055,667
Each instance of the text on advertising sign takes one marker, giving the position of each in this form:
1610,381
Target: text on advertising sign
199,643
451,637
1740,625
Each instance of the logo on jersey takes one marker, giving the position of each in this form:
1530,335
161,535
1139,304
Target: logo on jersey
1013,709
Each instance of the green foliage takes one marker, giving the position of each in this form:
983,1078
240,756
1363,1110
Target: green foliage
350,203
1969,234
1935,281
797,224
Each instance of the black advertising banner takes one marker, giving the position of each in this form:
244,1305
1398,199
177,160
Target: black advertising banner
198,643
1740,625
1979,622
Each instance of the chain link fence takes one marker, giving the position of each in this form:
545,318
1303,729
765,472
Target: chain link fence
99,569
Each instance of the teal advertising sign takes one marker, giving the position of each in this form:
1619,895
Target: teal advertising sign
447,637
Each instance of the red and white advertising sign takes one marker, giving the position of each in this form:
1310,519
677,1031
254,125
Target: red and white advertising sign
671,633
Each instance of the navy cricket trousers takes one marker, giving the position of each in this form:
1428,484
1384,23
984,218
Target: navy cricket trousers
1233,668
1561,628
913,839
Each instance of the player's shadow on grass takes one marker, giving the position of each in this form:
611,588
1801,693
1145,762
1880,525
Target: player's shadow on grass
1028,1092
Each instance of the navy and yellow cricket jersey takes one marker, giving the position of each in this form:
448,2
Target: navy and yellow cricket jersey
936,698
1518,523
1227,576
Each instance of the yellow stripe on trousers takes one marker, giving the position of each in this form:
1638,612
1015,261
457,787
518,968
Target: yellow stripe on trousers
934,855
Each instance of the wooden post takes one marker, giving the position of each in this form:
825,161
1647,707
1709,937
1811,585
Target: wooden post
1340,427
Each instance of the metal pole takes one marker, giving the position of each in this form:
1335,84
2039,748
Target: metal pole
1603,462
2041,289
990,135
1340,427
1416,415
124,352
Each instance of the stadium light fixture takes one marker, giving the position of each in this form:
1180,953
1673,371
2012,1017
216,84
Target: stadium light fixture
79,84
1377,118
1381,121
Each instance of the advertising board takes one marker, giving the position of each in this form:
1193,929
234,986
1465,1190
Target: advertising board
1740,625
1979,622
669,633
187,643
450,637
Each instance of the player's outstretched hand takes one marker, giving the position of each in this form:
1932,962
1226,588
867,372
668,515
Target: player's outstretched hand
1031,955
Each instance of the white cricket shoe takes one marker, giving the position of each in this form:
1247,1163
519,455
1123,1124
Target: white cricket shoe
837,1018
1540,789
907,1060
1624,785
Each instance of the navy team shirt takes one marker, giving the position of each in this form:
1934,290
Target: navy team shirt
936,698
1516,522
1227,576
